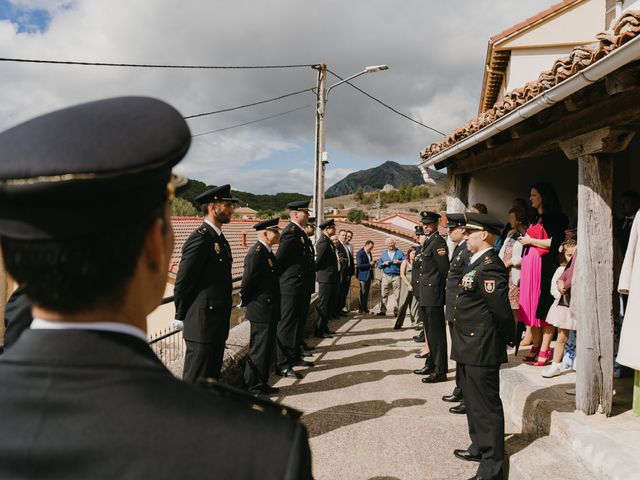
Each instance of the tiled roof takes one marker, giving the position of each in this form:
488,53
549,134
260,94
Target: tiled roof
241,235
390,228
627,28
412,218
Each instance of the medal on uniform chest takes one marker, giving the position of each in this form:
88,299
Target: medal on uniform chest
302,240
467,280
216,247
270,262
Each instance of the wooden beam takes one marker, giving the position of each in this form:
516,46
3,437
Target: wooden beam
621,81
593,288
457,192
621,109
603,140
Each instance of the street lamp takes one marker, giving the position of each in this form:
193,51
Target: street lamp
321,158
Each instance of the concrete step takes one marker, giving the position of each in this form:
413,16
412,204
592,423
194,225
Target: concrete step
544,458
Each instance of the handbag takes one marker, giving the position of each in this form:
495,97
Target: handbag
565,300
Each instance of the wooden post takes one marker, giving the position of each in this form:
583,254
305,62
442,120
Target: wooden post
594,287
457,192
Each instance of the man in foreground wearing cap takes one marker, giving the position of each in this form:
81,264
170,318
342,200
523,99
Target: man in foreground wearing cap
295,263
459,261
482,328
83,394
203,290
434,266
327,274
260,293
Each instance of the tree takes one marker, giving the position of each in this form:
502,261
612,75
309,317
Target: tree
357,215
358,195
183,208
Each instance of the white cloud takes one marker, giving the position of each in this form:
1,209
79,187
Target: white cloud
435,52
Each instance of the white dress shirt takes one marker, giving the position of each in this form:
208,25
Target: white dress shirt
40,324
476,256
216,229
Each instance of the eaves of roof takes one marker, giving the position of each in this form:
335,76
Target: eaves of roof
584,66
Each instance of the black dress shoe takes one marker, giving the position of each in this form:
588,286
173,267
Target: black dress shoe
418,328
307,347
302,363
426,370
418,338
267,390
452,398
435,378
397,327
329,332
306,353
289,373
381,314
459,409
466,455
420,355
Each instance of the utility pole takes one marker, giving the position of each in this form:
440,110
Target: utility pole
319,166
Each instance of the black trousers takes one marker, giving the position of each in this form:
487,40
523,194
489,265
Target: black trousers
481,386
457,391
256,370
345,283
364,295
203,360
436,335
325,306
302,321
292,308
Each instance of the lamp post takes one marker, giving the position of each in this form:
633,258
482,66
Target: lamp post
321,158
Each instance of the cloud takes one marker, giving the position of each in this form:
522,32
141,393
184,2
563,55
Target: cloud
435,52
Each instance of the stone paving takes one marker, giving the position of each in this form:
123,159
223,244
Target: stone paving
368,415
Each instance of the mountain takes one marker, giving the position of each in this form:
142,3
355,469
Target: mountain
374,179
261,203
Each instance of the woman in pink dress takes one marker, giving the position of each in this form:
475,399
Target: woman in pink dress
544,235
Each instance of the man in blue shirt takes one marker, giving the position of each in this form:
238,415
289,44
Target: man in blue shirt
389,263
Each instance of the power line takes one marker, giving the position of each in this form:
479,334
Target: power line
250,104
385,105
154,65
253,121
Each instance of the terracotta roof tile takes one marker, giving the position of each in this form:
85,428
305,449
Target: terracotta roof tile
625,29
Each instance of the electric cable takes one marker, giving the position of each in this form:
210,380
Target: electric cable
385,105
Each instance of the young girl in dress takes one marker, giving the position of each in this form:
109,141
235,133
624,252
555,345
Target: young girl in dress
560,314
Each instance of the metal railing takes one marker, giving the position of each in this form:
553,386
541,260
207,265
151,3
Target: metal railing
168,344
375,294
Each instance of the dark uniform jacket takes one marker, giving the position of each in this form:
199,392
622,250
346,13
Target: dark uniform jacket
483,323
203,288
326,261
351,268
80,404
260,290
17,317
296,261
415,268
434,266
460,258
311,267
343,258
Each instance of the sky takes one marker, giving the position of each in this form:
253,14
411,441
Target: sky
435,50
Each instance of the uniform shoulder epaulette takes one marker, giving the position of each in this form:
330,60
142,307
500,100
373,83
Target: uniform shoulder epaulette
202,230
257,247
250,401
488,261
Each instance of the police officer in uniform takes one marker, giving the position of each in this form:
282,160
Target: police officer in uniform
304,349
459,261
260,293
295,255
482,328
203,289
83,394
434,266
415,279
327,274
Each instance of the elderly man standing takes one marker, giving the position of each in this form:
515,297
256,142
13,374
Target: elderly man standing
482,328
389,262
203,290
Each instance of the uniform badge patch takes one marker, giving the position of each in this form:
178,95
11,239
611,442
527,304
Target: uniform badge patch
488,261
442,251
216,247
270,262
489,286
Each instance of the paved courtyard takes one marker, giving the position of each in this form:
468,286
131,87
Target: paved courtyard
368,415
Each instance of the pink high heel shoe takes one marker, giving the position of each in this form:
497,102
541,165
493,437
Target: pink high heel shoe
532,355
543,357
